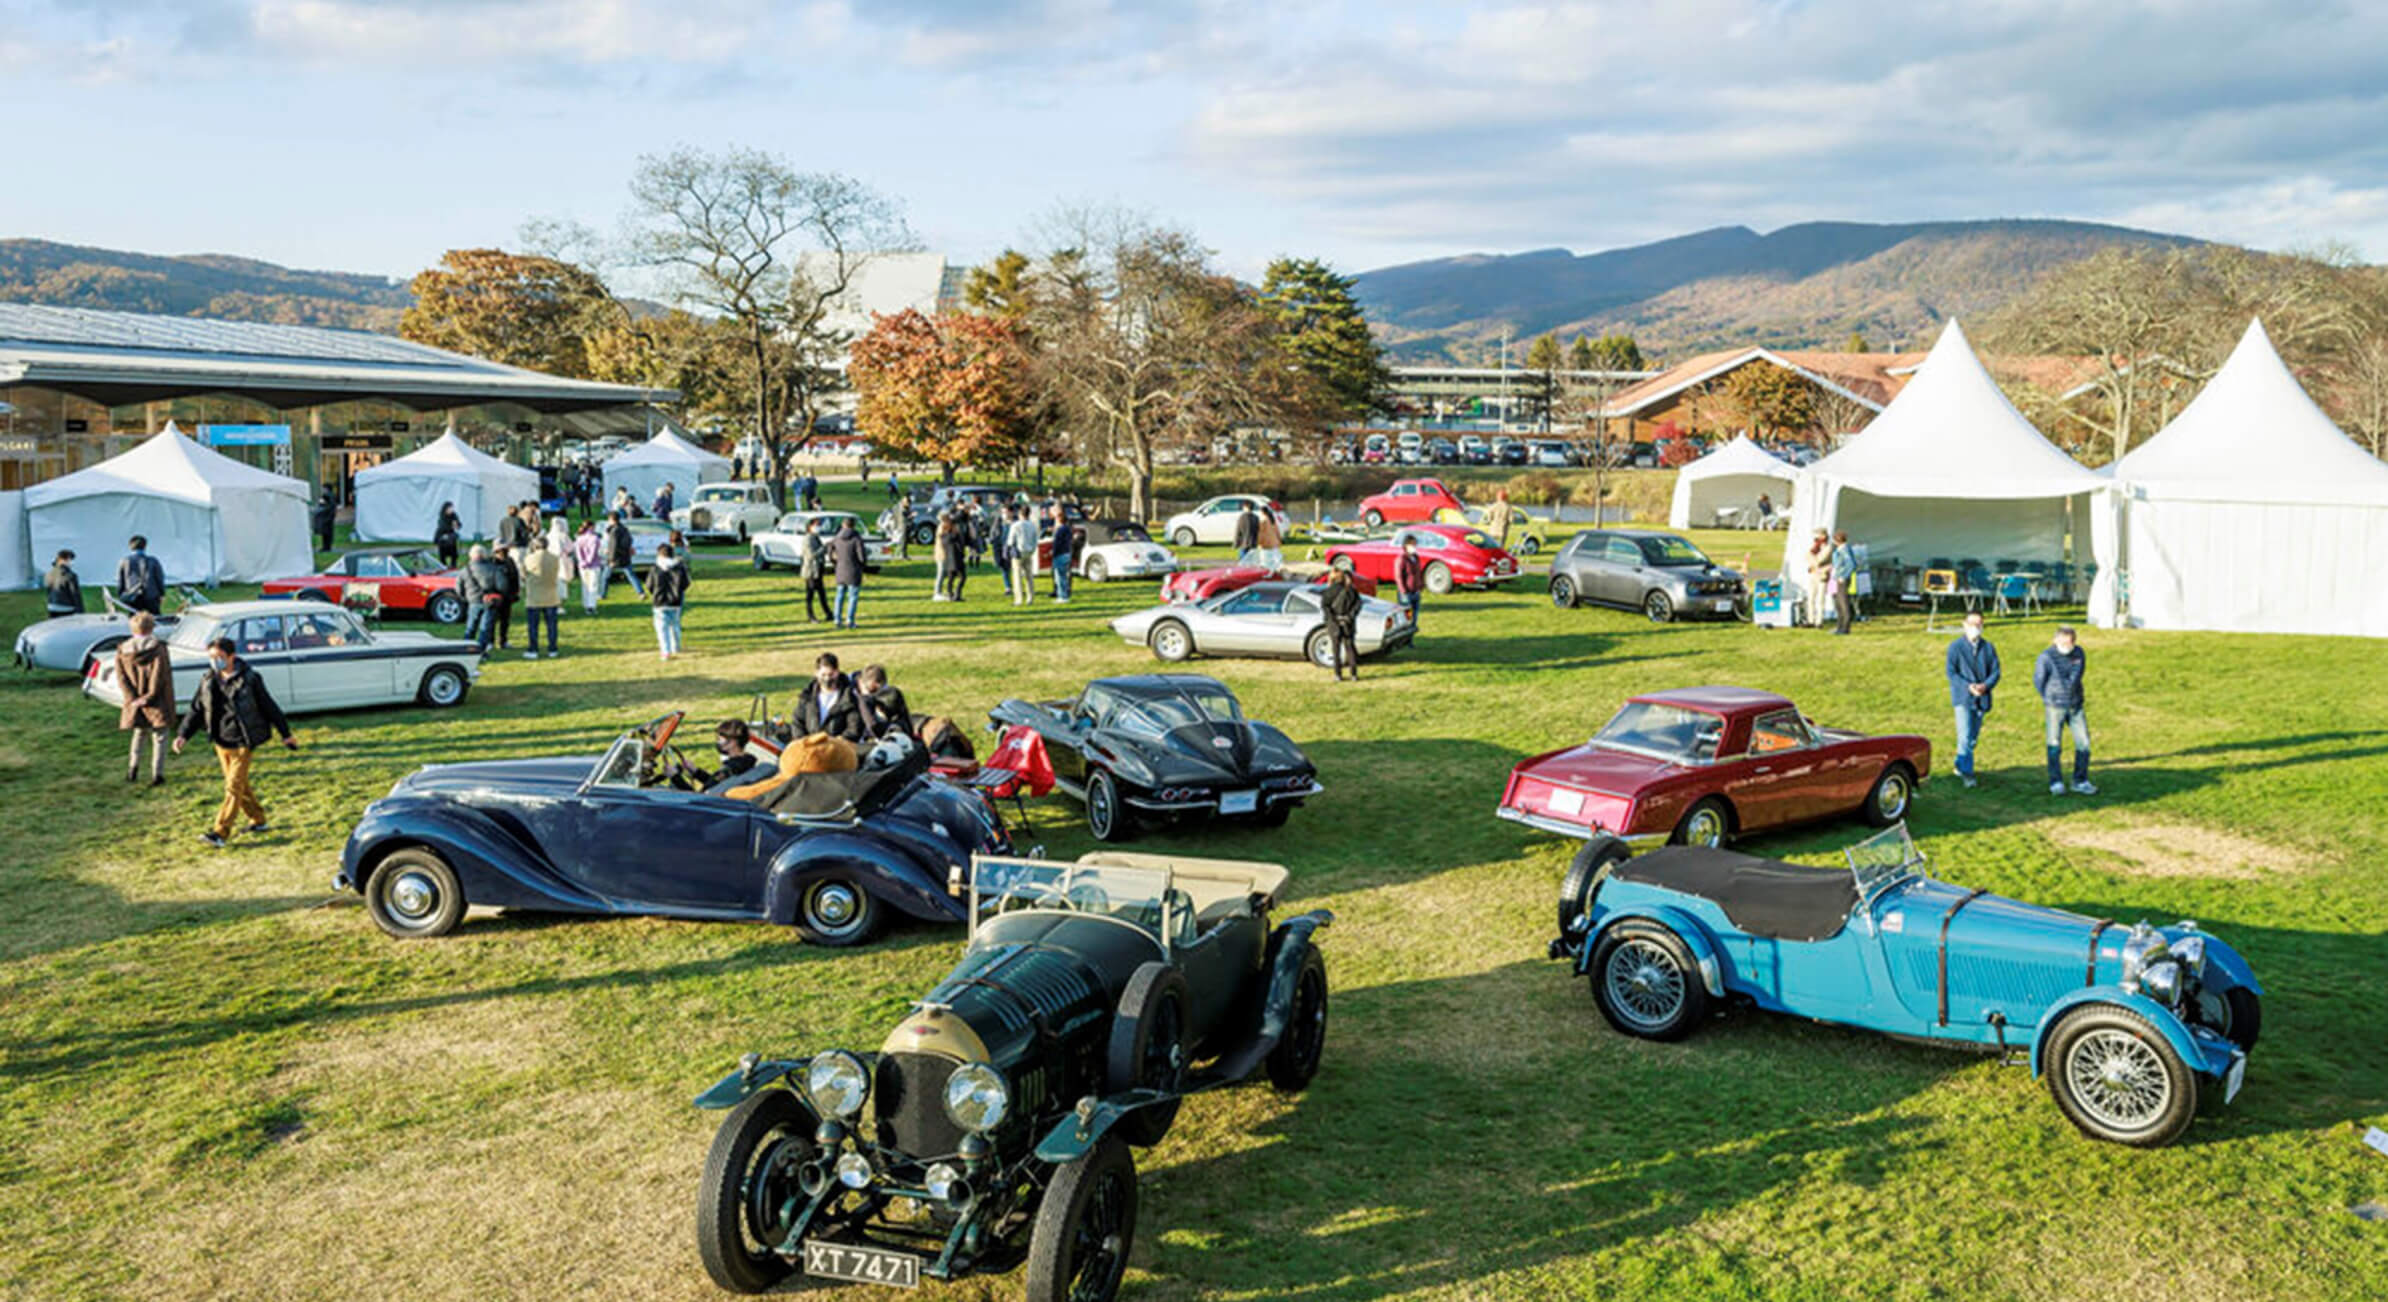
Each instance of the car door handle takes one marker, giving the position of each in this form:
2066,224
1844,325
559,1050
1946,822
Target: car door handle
1763,768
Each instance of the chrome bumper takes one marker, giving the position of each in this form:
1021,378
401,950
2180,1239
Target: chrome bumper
1212,805
1637,842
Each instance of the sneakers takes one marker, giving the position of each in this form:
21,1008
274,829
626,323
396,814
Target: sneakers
530,655
212,839
2056,788
254,828
133,774
2085,787
1970,784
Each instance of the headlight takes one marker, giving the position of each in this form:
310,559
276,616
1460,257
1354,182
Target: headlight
2162,982
976,1097
854,1171
2142,951
837,1083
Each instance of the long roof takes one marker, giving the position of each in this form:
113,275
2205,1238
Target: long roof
126,357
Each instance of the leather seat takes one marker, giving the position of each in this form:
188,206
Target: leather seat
1763,897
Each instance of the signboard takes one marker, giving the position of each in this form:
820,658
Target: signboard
245,436
399,427
358,443
78,427
522,427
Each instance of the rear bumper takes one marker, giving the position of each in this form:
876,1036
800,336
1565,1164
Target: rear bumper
1637,842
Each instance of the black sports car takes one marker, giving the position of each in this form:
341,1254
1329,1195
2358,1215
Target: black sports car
1161,747
993,1125
634,831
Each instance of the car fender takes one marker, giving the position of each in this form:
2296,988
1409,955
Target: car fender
2211,1059
493,866
2232,965
891,875
1686,928
1291,939
751,1078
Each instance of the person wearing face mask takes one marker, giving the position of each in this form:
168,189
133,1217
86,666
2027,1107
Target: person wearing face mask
2056,676
239,715
729,741
1973,675
830,704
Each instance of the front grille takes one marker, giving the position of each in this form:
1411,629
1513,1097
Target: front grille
700,518
909,1102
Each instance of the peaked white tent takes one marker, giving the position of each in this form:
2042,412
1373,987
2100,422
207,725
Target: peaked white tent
1951,471
400,500
1731,476
668,457
208,517
2252,512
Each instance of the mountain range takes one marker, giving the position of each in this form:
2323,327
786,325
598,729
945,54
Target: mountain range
1804,286
200,284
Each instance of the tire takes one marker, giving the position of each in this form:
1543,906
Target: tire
1295,1060
759,563
1658,606
1171,640
444,687
2236,1014
1585,874
1148,1049
1319,648
2116,1079
413,894
1888,799
754,1157
445,608
1528,546
1646,982
1708,823
742,533
1097,571
1107,818
1184,537
1374,518
1085,1228
834,910
1438,579
1563,593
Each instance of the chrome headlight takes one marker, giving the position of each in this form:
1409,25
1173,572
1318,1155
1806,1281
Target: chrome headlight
2162,982
2191,951
977,1098
837,1083
2142,951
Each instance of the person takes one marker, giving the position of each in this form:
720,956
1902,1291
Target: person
730,737
1268,543
542,593
1341,602
509,591
812,491
663,503
1973,677
1499,517
738,466
1844,578
480,586
1247,534
1409,576
667,591
588,556
326,512
62,588
813,565
1819,577
863,464
829,703
884,710
999,544
140,580
232,705
511,533
1065,555
1765,511
903,522
2056,676
895,486
445,534
145,673
619,557
1022,549
624,506
846,562
953,560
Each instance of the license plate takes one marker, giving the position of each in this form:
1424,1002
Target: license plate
861,1265
1239,802
2232,1080
1567,802
1725,604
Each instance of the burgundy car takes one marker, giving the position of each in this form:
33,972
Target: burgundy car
1202,585
1456,556
1701,765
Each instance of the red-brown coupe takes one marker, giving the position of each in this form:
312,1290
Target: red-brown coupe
1701,765
408,581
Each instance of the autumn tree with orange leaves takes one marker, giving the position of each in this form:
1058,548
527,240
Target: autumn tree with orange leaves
952,388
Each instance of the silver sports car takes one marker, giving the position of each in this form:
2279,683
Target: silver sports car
68,643
1275,618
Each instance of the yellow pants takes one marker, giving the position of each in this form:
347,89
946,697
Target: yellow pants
238,798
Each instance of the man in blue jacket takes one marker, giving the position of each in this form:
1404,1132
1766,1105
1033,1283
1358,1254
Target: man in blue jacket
1973,675
2056,676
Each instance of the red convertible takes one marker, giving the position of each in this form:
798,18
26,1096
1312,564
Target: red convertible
1701,765
1456,556
408,581
1409,499
1202,585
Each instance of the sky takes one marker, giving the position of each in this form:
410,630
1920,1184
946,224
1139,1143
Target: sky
361,135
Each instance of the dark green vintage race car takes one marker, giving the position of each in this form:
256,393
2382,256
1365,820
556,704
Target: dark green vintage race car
994,1124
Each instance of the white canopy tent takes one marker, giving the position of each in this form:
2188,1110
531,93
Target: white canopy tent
208,517
1950,470
1732,476
400,500
2252,512
669,457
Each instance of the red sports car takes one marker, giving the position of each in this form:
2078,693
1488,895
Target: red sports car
408,580
1409,499
1456,556
1701,765
1202,585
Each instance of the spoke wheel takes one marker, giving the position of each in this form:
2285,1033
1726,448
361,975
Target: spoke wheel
1171,641
1106,819
749,1195
447,608
1563,592
1658,607
2117,1079
1085,1228
1647,983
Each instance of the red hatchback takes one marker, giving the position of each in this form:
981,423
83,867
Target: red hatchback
1409,499
1700,765
1456,556
408,581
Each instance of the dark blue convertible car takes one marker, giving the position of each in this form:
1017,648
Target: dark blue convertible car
633,832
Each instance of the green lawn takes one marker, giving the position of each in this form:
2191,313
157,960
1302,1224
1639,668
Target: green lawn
218,1080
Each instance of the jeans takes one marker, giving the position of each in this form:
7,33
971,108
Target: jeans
533,618
1061,575
629,572
849,596
2060,718
1969,731
667,629
1409,602
481,625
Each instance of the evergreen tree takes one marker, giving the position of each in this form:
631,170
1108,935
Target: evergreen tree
1320,324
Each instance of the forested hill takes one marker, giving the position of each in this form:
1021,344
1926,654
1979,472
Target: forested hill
203,284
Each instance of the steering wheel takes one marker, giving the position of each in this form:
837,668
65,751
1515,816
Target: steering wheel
676,769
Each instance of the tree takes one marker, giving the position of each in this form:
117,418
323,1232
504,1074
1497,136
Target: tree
1579,354
999,288
1772,399
1616,352
953,388
1542,361
519,309
1857,343
2122,309
1321,328
702,357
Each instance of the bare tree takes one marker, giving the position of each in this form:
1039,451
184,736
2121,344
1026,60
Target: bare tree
2120,308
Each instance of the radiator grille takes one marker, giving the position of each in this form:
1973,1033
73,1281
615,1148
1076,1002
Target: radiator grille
909,1096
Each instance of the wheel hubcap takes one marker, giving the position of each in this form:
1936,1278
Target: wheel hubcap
2118,1079
413,897
1562,592
1645,986
1706,829
834,907
1893,800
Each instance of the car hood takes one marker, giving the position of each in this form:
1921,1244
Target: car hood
1598,768
553,773
66,624
1216,752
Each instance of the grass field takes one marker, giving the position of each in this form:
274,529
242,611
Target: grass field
219,1081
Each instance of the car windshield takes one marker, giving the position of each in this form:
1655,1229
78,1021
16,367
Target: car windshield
620,767
1156,716
194,632
1668,732
1132,895
1883,858
1129,533
417,562
1670,550
721,495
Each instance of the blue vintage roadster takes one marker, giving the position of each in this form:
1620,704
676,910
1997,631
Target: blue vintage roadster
638,830
2130,1025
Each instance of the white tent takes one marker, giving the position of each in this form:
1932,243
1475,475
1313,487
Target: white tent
1732,476
666,458
1951,471
400,500
2252,512
208,517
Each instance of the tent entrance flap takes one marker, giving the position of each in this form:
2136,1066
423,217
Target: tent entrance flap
1918,530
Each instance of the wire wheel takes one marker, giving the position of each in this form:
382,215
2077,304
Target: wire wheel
1644,984
2117,1079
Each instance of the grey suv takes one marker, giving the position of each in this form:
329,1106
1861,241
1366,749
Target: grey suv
1659,574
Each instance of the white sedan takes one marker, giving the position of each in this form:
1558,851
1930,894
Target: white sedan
1214,520
783,543
312,657
731,511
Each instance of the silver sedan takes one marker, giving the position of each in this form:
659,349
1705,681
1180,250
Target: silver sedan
1267,619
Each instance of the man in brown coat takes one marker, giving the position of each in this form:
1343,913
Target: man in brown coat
145,673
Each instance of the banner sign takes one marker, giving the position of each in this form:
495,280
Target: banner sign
357,442
245,436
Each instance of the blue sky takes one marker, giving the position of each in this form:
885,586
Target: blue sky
370,136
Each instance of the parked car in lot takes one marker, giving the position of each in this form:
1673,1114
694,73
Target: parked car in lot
1509,452
1442,452
312,657
2133,1027
1276,617
726,512
783,543
1111,549
1474,451
69,643
1376,450
1410,448
1408,500
993,1126
403,581
1660,574
1214,521
1702,765
1553,454
1456,556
